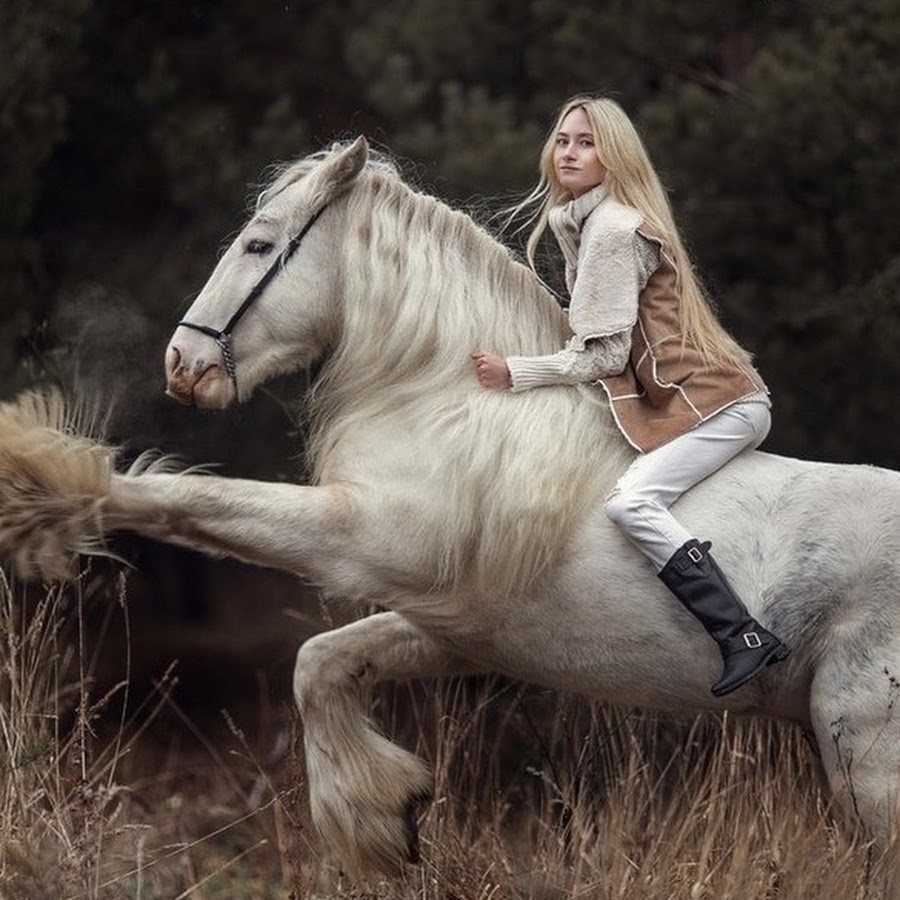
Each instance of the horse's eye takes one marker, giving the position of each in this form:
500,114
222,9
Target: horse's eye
258,247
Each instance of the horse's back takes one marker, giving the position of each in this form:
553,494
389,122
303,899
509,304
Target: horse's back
778,501
813,549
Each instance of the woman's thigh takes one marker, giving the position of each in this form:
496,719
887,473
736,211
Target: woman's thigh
668,471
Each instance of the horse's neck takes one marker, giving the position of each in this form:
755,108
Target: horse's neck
399,408
438,289
423,289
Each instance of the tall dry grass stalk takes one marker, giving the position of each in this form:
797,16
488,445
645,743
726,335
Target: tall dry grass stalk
78,820
536,795
60,800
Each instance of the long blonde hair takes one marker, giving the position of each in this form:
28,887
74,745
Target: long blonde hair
631,180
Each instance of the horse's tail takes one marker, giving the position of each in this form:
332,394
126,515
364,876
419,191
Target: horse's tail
54,477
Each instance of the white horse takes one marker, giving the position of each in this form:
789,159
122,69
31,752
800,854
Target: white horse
475,517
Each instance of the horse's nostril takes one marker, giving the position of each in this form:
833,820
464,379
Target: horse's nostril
173,360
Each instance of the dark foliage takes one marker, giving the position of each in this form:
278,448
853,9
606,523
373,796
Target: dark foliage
132,136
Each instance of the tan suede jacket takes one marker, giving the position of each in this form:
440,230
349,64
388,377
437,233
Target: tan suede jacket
666,389
625,318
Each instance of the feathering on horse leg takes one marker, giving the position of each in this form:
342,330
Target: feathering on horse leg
364,790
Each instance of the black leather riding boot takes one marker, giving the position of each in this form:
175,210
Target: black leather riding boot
746,647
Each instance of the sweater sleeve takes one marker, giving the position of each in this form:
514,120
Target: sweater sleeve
609,277
596,359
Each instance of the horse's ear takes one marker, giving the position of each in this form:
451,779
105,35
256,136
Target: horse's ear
350,161
337,172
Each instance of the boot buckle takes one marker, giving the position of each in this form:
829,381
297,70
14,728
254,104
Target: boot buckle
752,640
695,554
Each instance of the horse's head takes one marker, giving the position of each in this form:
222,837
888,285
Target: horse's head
271,305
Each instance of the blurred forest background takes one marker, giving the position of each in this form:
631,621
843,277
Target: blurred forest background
132,136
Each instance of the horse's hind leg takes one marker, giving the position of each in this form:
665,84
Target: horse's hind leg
855,707
363,788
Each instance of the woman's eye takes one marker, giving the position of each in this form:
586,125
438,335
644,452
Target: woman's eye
258,247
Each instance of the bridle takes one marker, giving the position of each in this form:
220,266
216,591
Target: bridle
223,337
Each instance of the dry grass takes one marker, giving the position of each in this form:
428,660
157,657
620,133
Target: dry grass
79,817
629,805
536,796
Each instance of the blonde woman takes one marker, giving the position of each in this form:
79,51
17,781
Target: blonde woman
681,390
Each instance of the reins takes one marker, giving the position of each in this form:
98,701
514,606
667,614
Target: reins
223,337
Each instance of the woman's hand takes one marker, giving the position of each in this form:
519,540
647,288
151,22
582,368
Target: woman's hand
492,371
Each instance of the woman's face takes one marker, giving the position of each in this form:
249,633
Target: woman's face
575,160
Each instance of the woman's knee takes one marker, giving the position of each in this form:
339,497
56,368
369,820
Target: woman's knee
632,510
620,508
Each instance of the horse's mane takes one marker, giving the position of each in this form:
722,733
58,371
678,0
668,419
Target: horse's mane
424,286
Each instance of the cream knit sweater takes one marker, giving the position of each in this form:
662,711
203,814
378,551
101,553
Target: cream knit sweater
608,264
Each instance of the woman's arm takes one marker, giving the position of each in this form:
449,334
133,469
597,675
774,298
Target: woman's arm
615,264
598,358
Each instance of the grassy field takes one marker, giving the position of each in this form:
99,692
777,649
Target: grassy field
106,795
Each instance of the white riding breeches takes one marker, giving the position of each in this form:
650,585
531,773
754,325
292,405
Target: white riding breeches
639,503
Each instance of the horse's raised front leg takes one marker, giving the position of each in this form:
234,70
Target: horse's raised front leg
60,496
364,789
317,532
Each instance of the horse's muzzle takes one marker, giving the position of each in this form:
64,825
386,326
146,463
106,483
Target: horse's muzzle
194,378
